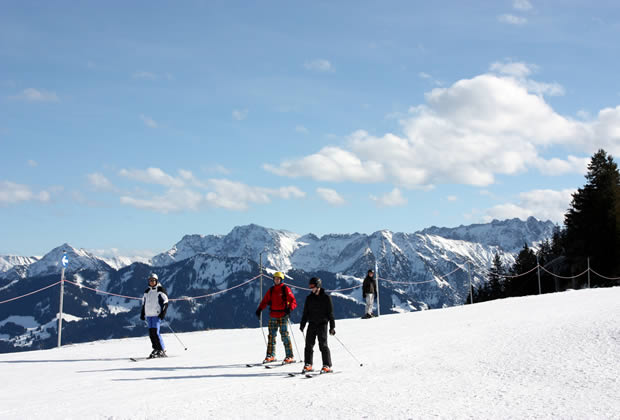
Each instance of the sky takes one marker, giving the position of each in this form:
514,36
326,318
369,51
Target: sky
124,127
553,356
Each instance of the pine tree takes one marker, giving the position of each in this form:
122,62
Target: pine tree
593,220
523,284
495,284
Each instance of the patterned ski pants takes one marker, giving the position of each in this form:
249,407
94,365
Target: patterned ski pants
273,326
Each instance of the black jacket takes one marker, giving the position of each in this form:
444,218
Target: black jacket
318,309
369,286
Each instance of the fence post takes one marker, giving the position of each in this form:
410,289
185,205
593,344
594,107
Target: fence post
588,272
377,279
538,269
64,262
260,263
471,290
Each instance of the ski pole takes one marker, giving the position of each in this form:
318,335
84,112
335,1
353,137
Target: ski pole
175,334
345,347
294,341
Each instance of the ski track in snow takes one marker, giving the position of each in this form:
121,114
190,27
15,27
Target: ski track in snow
550,356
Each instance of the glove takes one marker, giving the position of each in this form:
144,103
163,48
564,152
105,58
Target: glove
161,316
301,327
332,332
258,313
142,317
287,310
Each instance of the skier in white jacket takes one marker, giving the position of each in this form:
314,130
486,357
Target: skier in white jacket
154,306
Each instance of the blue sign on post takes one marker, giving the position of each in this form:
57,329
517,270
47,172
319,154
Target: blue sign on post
65,260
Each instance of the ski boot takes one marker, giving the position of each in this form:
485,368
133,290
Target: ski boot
269,359
326,369
152,355
307,369
288,360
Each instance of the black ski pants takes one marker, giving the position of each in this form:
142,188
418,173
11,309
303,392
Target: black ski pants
320,331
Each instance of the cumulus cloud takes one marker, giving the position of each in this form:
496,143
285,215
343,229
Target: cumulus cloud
497,123
392,199
240,114
148,121
185,192
542,204
36,95
152,176
100,182
331,196
512,19
320,65
33,163
12,193
522,5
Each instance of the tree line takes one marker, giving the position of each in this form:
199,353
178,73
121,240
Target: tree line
589,238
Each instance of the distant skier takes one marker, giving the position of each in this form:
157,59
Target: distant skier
369,292
318,311
281,302
154,307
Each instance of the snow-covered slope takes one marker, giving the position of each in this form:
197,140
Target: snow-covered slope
9,261
549,356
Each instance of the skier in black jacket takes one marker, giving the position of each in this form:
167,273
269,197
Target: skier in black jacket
369,292
318,311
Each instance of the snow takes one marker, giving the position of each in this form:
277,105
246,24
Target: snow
549,356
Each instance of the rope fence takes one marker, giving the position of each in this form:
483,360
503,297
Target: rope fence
190,298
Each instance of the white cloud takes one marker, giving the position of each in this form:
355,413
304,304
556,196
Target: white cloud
523,5
517,69
33,163
12,193
152,176
330,164
331,196
320,65
36,95
542,204
512,19
100,182
144,75
451,198
240,114
467,133
425,75
301,129
148,121
187,193
391,199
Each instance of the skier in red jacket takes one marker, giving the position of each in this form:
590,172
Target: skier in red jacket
281,302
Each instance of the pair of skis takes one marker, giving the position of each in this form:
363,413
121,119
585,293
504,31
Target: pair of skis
270,365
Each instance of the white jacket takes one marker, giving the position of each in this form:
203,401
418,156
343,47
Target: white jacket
154,301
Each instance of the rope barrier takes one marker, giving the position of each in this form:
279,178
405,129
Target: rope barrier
563,277
215,293
307,289
600,275
101,291
31,293
422,282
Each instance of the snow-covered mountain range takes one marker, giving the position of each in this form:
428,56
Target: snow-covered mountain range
426,269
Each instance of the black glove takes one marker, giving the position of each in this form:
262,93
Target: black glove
287,310
301,327
161,316
142,317
332,331
258,311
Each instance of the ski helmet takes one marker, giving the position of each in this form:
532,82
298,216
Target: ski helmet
278,274
316,281
153,276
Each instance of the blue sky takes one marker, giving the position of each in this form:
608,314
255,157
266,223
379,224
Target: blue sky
125,126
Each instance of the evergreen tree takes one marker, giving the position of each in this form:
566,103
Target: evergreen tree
523,284
495,274
593,220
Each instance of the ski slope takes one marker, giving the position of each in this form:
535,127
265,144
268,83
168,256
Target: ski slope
550,356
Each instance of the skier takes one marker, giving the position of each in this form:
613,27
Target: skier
369,292
281,302
154,307
318,311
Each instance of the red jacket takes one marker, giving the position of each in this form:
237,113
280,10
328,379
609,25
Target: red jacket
275,298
